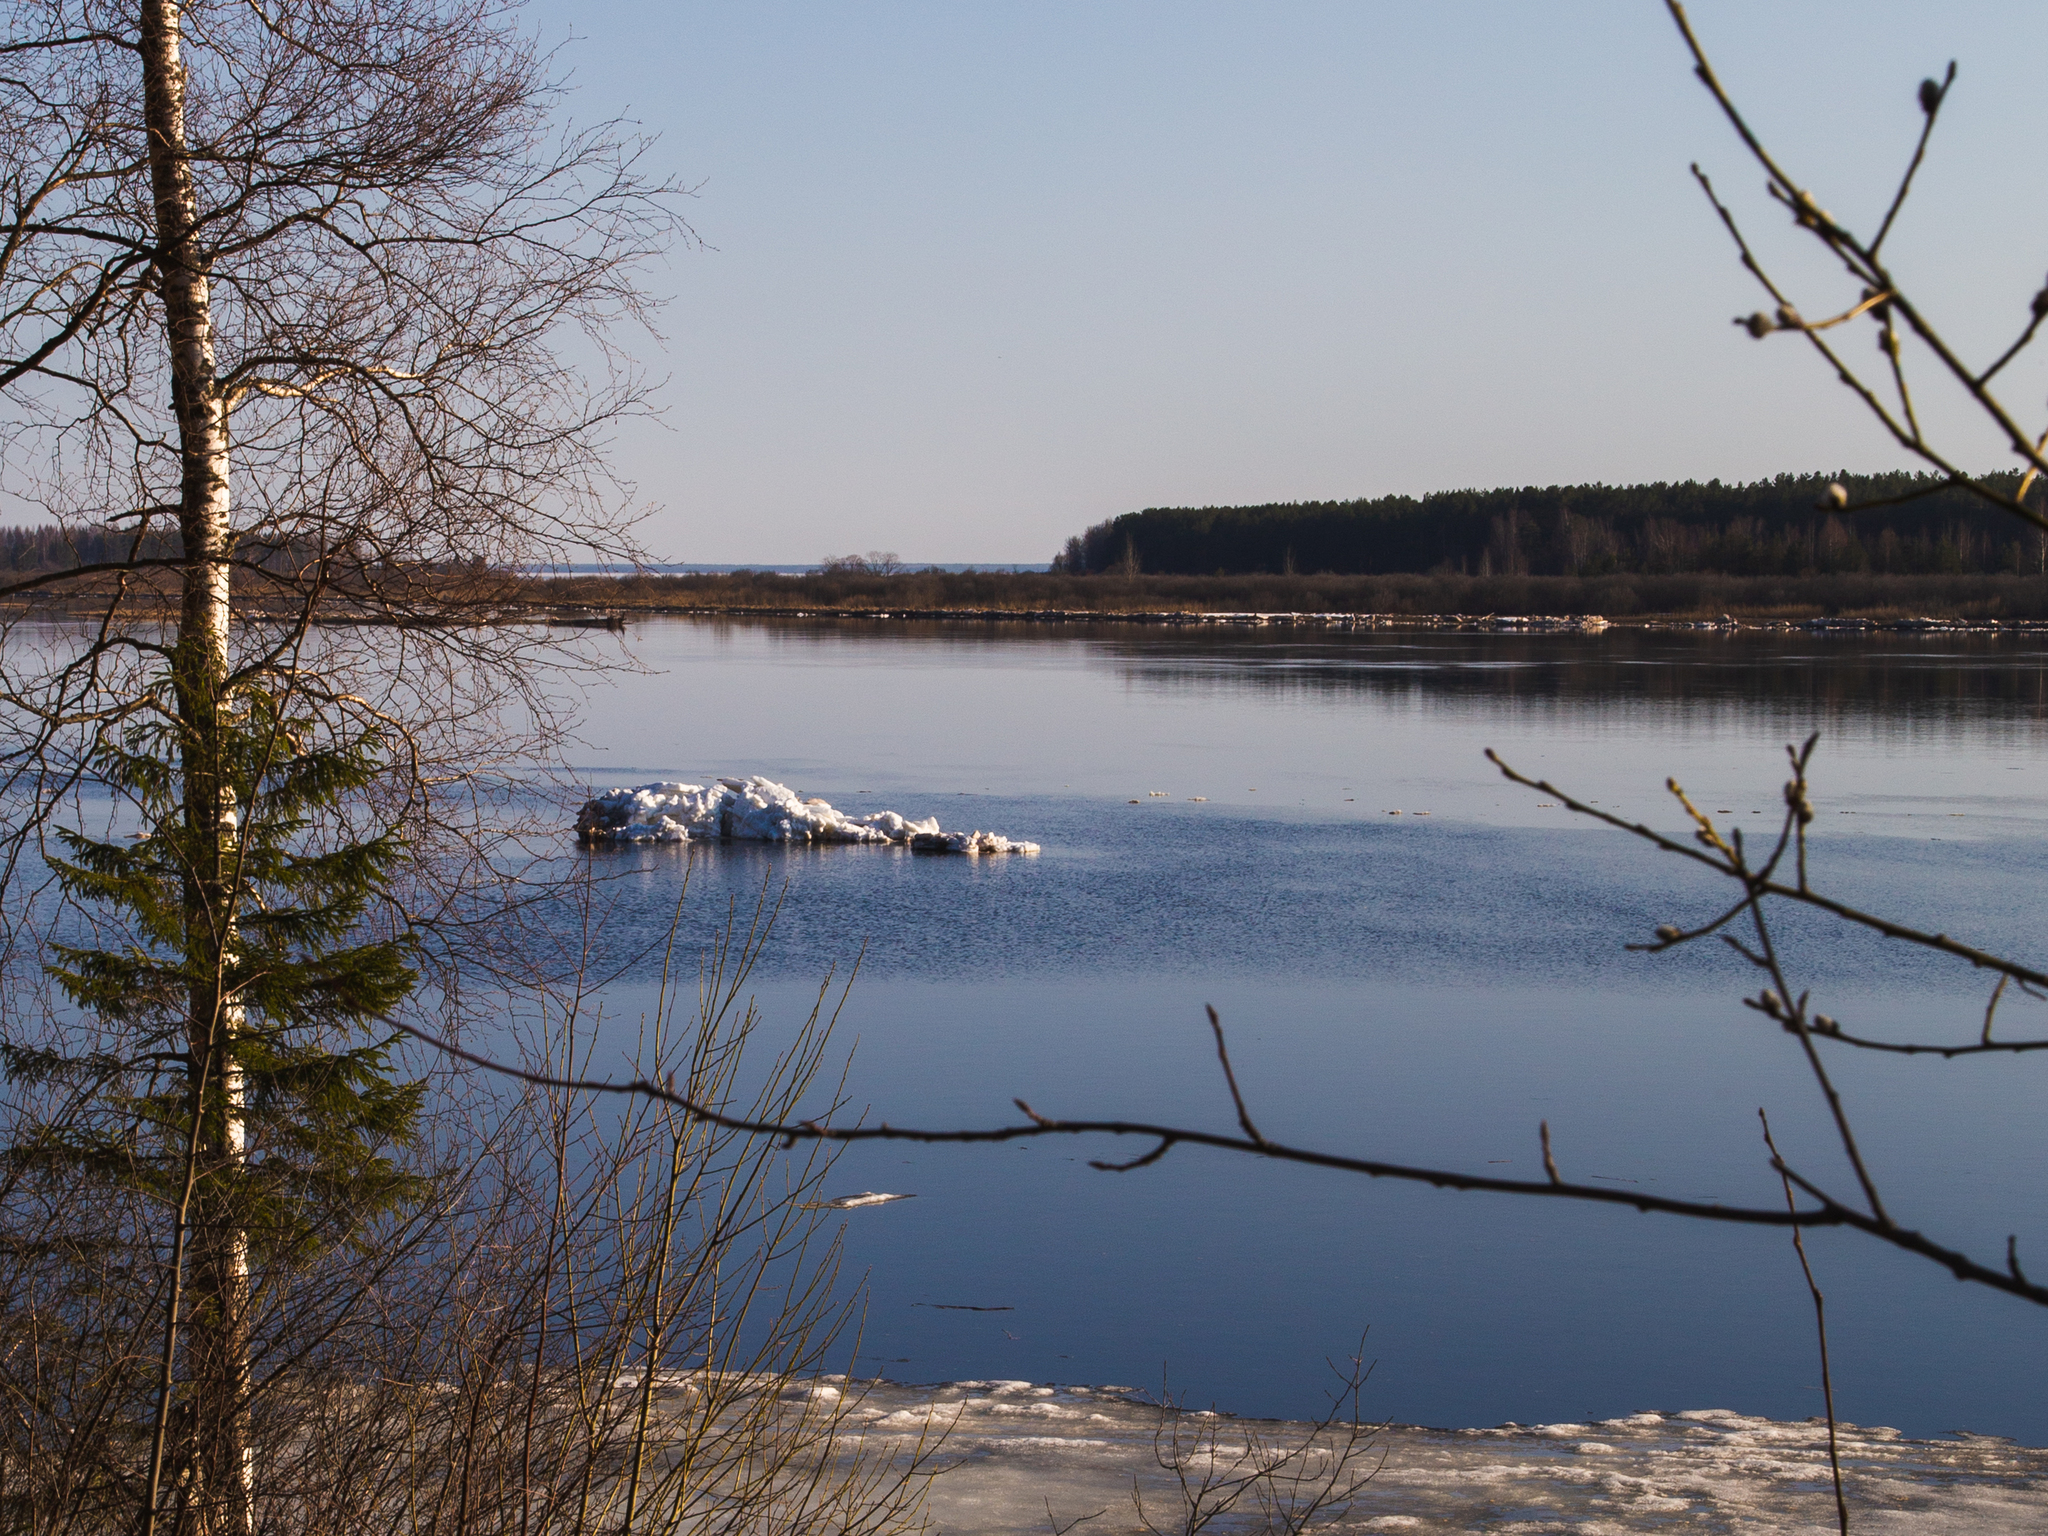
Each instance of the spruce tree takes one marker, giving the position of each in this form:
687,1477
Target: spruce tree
242,1086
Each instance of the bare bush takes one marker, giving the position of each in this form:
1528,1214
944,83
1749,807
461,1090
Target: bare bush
1239,1474
602,1317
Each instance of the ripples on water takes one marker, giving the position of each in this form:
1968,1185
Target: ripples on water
1412,987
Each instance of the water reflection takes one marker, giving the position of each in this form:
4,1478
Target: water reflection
1346,725
1882,676
1893,679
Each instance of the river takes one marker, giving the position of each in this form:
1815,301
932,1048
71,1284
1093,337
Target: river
1216,812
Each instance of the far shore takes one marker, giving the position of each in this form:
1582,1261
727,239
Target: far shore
1499,623
1844,600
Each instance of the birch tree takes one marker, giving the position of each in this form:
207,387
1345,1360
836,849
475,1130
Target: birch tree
322,288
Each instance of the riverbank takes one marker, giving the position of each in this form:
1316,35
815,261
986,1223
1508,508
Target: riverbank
1511,603
1504,623
1339,601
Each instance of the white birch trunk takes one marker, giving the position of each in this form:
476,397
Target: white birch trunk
220,1475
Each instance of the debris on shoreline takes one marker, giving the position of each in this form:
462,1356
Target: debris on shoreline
1498,623
618,618
756,809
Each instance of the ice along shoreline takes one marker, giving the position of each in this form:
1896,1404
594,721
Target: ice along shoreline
1014,1446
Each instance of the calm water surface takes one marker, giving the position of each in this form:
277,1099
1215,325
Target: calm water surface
1408,987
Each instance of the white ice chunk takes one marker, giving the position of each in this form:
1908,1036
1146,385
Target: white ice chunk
853,1202
756,809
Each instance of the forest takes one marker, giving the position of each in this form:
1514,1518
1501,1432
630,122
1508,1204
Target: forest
1785,526
27,551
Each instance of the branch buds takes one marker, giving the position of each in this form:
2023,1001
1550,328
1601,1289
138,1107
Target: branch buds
1809,213
1761,325
1798,804
1930,97
2040,304
1668,933
1836,496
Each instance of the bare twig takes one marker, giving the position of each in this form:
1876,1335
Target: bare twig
1820,1325
1941,942
1825,1212
1931,98
1053,1524
1223,1055
1863,264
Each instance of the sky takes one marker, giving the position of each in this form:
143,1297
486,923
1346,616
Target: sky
974,276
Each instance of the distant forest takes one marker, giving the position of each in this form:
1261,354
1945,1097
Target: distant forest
1770,528
50,547
31,551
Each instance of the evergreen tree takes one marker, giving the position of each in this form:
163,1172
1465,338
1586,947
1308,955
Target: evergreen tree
238,1083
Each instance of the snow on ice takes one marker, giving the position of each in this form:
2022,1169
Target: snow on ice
1015,1446
755,809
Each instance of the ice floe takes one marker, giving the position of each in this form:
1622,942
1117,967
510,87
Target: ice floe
853,1202
755,809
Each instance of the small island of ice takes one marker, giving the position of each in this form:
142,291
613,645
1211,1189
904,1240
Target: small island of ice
755,809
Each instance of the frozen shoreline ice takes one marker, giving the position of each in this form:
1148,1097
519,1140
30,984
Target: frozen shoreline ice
1015,1445
756,809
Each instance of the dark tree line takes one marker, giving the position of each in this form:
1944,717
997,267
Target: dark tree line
95,548
1777,527
31,551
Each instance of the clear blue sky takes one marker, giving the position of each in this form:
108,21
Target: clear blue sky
977,275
